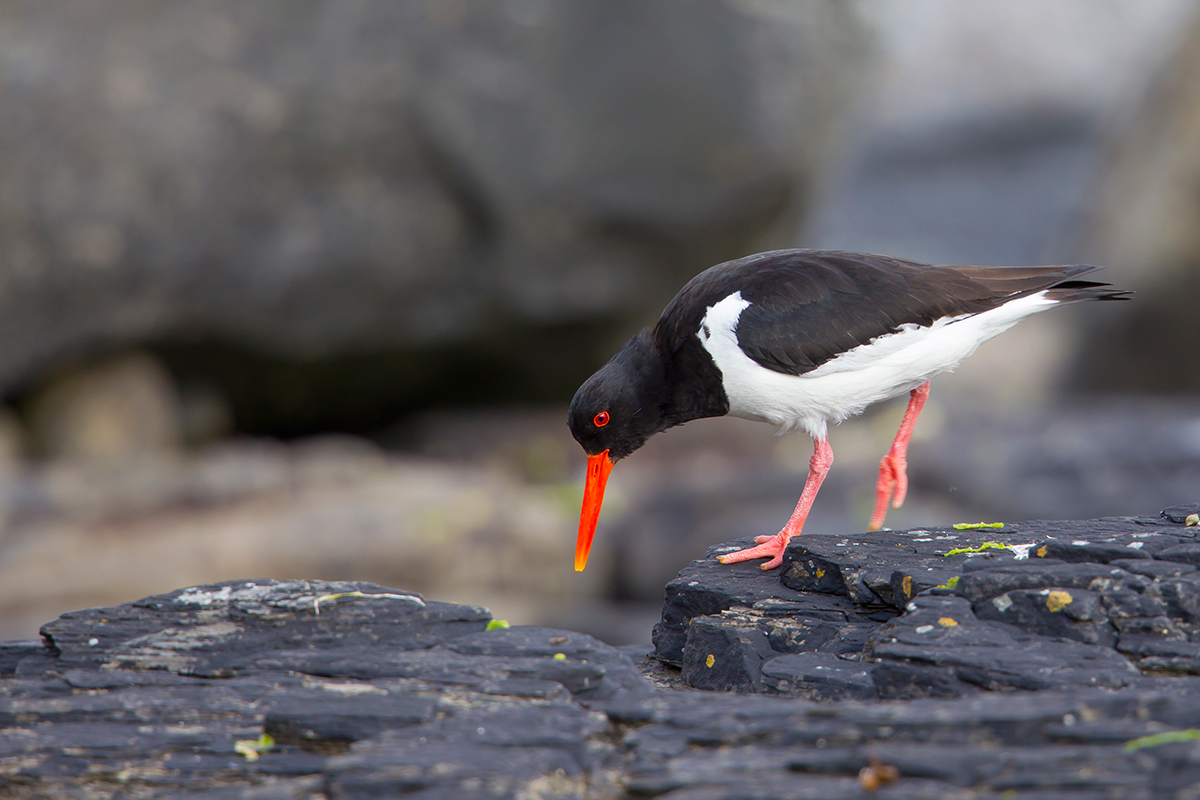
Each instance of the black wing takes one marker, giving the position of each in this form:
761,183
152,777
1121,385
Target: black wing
809,306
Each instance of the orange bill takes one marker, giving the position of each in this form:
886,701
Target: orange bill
598,467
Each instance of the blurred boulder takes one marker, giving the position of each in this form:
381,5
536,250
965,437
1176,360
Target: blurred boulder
13,440
1146,226
114,409
307,179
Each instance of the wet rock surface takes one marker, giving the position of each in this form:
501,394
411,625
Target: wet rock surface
1026,677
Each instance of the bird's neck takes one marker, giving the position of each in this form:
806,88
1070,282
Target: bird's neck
696,390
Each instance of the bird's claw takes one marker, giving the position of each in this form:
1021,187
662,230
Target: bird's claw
771,547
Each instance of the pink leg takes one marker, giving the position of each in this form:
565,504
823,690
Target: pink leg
773,546
893,468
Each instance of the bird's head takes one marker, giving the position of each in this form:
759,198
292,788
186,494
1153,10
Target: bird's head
614,413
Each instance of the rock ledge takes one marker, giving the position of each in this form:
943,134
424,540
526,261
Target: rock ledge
1024,678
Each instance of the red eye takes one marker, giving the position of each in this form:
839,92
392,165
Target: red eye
601,419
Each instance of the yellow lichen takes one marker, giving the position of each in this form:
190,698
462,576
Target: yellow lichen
1055,601
947,622
1169,737
708,662
906,585
1041,551
251,749
980,549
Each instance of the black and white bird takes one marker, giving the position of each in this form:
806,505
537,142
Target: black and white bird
802,339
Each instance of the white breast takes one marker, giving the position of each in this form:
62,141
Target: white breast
887,366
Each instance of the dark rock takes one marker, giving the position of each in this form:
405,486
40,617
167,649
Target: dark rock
1154,569
1181,595
1065,613
13,653
221,630
724,653
818,676
706,588
502,746
341,713
1092,552
1028,606
1180,513
381,696
887,568
944,633
985,584
1188,553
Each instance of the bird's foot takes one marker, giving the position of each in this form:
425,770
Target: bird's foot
770,547
891,488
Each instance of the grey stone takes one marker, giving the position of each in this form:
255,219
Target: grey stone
818,676
1181,513
725,654
418,177
1005,614
323,717
1068,614
1188,553
380,696
706,588
986,584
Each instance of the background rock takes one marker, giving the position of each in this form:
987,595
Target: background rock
984,140
121,408
1145,220
308,180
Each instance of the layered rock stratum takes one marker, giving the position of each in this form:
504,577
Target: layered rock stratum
1032,660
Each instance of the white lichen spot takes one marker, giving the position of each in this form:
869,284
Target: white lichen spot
1002,603
1136,545
345,689
924,628
1080,543
198,597
1021,551
92,642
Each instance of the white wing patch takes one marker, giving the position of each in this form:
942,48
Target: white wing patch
886,366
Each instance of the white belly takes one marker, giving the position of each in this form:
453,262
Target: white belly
842,387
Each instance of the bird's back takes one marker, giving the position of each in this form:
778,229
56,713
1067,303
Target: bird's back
806,307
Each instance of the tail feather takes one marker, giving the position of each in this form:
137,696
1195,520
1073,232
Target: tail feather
1072,291
1060,282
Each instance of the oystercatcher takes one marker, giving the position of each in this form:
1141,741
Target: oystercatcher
800,339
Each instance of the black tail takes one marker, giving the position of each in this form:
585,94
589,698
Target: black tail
1060,283
1070,291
